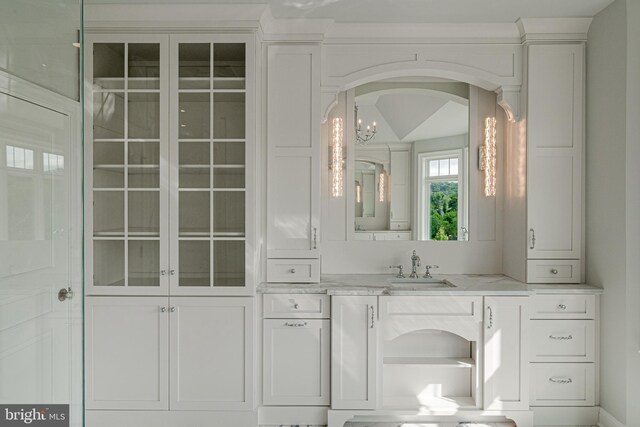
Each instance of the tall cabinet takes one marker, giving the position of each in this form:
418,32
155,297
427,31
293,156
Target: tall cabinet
170,229
293,181
555,141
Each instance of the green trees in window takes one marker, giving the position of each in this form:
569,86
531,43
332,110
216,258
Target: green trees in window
444,210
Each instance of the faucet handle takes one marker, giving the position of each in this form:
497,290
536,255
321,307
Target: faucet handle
427,273
400,272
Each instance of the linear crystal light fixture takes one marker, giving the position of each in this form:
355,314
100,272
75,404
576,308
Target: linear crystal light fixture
363,136
488,157
337,158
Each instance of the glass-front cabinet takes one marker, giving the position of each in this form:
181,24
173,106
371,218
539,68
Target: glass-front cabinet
169,164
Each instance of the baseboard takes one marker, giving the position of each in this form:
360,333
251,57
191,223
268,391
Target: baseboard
556,416
607,420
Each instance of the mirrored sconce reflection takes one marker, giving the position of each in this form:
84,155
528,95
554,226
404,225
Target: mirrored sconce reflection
336,164
488,157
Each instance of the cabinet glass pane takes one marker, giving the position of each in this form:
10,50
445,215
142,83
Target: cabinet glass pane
194,213
108,153
108,115
194,66
194,263
195,112
228,116
144,177
229,60
108,66
108,263
228,178
144,153
228,212
228,153
144,213
108,213
197,177
144,263
193,153
144,115
108,177
228,263
144,66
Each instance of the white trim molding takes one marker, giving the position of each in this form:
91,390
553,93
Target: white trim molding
605,419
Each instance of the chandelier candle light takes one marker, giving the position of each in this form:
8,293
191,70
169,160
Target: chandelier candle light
488,157
362,137
337,158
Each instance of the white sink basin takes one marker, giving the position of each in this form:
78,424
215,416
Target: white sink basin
420,283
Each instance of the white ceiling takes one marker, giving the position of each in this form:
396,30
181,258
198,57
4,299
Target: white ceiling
415,11
408,117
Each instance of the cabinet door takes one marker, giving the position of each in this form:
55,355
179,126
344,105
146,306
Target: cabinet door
354,352
296,362
554,150
126,353
293,135
126,171
211,353
212,164
506,373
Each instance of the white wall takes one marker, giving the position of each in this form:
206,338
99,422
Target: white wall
606,204
633,212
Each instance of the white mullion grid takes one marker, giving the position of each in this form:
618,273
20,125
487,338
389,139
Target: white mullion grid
211,160
126,165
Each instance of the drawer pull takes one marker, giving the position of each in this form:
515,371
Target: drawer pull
296,306
554,271
296,325
490,325
292,271
372,316
562,307
561,337
560,380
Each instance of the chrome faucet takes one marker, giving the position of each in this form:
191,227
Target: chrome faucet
415,263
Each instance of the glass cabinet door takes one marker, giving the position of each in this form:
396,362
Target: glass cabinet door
209,117
128,148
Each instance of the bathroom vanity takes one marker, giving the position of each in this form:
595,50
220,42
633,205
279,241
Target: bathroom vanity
454,348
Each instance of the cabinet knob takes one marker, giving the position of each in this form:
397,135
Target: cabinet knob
163,309
296,306
292,271
562,307
554,271
172,309
172,272
163,272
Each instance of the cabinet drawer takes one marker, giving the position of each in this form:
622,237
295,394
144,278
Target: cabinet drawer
441,306
405,235
563,341
296,306
293,270
553,271
564,307
562,384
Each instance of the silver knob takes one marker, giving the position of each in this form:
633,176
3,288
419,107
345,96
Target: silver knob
172,272
172,309
554,271
296,306
65,294
562,306
292,271
163,272
163,309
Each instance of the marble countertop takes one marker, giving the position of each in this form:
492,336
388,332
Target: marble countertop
380,284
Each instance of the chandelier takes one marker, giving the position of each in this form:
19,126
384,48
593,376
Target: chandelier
366,135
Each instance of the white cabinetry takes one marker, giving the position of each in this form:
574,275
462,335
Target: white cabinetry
354,361
134,345
170,164
555,140
506,384
296,350
293,136
563,350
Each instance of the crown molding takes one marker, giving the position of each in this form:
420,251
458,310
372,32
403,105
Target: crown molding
553,29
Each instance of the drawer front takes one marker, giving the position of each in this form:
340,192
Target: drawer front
399,236
363,236
440,306
562,384
564,307
296,306
293,270
553,271
563,341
